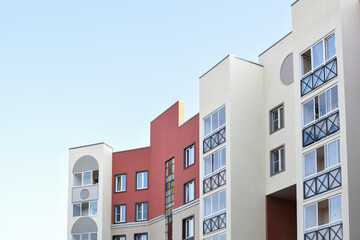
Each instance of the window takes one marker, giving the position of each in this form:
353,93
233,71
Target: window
85,236
141,180
189,190
142,236
86,178
215,161
214,121
120,183
141,211
120,213
277,160
215,203
320,106
189,156
85,209
318,54
322,158
218,237
276,119
323,212
188,228
123,237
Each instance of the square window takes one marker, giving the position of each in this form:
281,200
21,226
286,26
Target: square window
277,160
77,180
142,236
215,203
76,237
276,119
188,228
120,213
215,121
120,183
189,156
93,236
189,191
141,211
141,180
215,161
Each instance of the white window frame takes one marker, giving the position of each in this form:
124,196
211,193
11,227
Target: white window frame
82,178
327,168
281,161
119,211
142,180
280,121
137,207
187,191
80,234
213,172
219,210
210,116
317,213
314,107
120,238
143,236
121,176
217,236
323,40
81,213
187,156
187,222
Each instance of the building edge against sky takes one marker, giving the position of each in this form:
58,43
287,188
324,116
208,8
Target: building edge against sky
272,153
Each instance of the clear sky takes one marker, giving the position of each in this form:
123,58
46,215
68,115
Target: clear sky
76,72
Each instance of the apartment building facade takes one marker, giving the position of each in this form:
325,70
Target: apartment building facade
276,147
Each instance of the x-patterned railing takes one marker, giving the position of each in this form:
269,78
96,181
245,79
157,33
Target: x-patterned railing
214,181
214,223
322,183
214,140
319,77
321,129
328,233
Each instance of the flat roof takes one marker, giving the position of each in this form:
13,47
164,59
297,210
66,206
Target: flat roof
90,145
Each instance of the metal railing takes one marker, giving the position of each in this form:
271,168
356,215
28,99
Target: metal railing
214,140
214,223
322,183
321,129
334,232
214,181
319,77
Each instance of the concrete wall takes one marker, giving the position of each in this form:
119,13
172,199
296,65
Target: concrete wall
182,213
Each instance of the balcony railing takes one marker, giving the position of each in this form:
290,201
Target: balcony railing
214,140
319,77
322,183
214,181
214,223
321,129
334,232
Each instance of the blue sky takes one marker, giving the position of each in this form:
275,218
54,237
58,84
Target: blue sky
79,72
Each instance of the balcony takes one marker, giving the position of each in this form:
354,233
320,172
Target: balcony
322,183
319,77
334,232
214,181
214,223
321,129
214,140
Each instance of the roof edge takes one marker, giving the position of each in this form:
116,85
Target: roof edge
215,66
133,149
275,43
90,145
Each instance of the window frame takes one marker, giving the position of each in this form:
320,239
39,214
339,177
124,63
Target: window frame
140,234
120,213
187,194
281,161
184,227
280,120
324,49
136,180
136,211
219,211
186,160
89,234
81,213
210,116
82,178
116,182
119,237
213,172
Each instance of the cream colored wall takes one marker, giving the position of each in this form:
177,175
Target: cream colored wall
179,216
277,93
103,154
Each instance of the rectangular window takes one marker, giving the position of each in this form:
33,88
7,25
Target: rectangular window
120,183
215,203
322,158
320,106
85,209
277,163
120,213
189,190
323,212
218,237
142,180
188,228
142,236
276,119
84,236
214,122
123,237
93,208
76,209
189,156
86,178
215,161
141,211
317,55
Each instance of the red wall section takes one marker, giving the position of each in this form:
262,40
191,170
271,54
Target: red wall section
167,140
